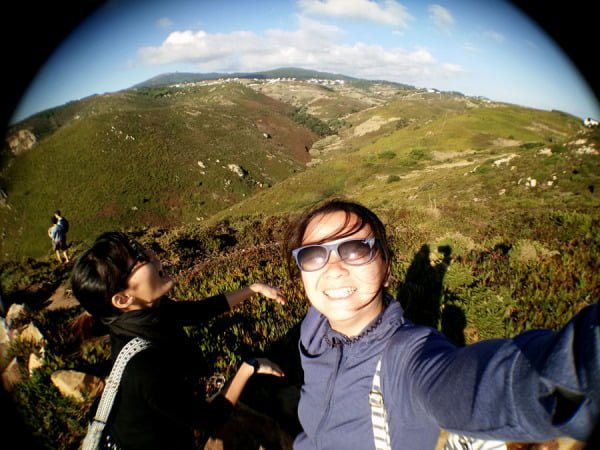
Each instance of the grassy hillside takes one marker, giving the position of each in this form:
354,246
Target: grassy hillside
334,102
493,212
419,154
149,157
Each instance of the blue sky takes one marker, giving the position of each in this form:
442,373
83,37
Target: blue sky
485,48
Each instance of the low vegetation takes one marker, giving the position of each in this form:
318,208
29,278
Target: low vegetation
492,211
528,269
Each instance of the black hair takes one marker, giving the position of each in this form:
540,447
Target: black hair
364,218
100,272
54,220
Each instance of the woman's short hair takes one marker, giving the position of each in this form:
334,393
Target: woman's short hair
100,272
365,218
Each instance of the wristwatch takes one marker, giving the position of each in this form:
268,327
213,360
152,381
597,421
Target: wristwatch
254,363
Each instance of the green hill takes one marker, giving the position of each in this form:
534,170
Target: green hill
168,156
418,151
148,157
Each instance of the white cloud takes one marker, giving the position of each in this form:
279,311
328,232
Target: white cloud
388,12
164,22
495,36
441,18
309,33
450,69
313,45
198,47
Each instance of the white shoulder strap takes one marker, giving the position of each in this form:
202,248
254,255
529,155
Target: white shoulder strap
134,346
381,431
460,442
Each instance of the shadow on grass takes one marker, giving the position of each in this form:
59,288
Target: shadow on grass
421,295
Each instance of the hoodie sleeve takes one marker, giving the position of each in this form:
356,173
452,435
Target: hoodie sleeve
539,385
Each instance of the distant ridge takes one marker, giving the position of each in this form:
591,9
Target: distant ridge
166,79
283,72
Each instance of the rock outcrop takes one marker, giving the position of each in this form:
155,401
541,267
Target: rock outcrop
21,141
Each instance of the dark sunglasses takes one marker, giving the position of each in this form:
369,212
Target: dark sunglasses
354,252
139,256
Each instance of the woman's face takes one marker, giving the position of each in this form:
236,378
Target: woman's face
349,296
148,282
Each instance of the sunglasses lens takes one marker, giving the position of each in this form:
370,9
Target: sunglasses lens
312,258
140,254
355,252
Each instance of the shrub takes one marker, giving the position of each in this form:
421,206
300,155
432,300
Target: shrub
419,154
302,117
387,154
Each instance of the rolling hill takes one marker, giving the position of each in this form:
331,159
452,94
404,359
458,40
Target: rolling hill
148,157
199,151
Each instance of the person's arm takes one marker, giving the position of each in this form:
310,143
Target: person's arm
263,366
191,312
537,386
186,313
161,387
236,297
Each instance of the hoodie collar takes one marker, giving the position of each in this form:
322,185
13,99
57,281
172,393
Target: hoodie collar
317,336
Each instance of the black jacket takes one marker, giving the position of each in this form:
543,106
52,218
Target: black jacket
158,405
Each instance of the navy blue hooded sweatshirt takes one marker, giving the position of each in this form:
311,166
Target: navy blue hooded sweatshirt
539,385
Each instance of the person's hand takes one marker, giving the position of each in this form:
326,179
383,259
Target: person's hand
268,367
268,291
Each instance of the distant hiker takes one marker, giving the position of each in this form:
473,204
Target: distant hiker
59,239
124,286
62,222
373,379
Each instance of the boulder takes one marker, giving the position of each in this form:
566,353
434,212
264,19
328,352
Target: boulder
11,375
35,362
21,141
77,384
15,311
238,170
31,333
4,338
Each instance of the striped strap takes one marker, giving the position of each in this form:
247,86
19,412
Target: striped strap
378,415
381,431
134,346
460,442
